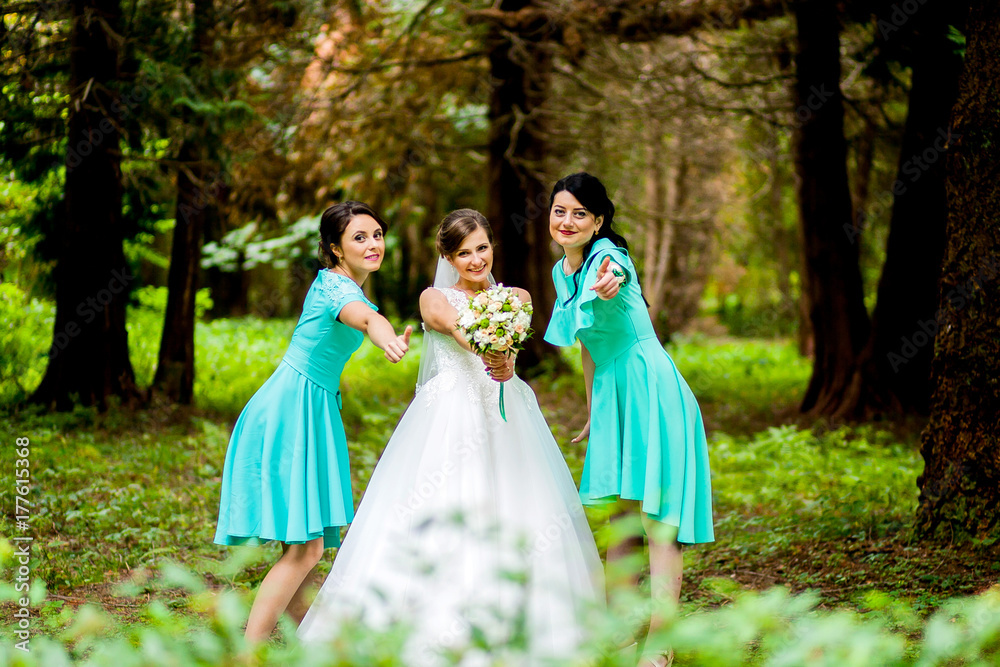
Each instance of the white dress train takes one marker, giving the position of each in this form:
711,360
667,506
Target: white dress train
470,526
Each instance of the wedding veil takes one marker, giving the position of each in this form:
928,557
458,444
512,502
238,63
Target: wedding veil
444,276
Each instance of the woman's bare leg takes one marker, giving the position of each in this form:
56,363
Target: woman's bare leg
625,548
281,585
297,606
666,569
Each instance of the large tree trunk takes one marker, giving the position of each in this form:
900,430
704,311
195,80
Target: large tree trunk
196,201
89,361
960,485
833,277
893,374
518,200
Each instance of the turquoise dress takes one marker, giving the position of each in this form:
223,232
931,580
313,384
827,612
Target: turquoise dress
647,440
287,476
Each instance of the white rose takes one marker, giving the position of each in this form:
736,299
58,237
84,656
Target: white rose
519,328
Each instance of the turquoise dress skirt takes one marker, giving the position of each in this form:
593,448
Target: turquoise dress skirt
647,440
287,476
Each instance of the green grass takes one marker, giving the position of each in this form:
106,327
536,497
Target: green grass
802,506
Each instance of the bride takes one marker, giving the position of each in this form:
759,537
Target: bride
470,532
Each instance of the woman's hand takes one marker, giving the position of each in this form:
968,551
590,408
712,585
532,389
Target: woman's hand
608,283
396,349
585,433
499,366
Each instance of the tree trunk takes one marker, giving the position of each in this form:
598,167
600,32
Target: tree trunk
692,248
833,277
518,200
960,485
89,361
659,228
893,374
175,367
196,200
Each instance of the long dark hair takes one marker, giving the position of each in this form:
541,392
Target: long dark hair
333,223
590,192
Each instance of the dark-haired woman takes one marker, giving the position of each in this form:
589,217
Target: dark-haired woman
287,475
471,530
647,450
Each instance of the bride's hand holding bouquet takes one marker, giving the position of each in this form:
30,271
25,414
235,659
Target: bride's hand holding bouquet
496,323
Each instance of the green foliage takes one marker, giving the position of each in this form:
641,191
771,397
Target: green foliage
155,299
25,337
826,510
772,628
849,481
245,248
109,497
742,376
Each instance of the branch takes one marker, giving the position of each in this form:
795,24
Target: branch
631,23
431,62
752,83
414,22
650,21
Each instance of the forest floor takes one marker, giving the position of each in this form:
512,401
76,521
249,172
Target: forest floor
804,505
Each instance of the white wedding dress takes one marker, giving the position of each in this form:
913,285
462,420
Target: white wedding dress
471,527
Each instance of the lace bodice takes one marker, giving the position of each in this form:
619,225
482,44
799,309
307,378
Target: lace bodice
454,365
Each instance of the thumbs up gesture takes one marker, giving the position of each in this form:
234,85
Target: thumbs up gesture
608,283
398,348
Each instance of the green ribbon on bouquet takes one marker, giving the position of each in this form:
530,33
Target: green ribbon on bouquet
502,412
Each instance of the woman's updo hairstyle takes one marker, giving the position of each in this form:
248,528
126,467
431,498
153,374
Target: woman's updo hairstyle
590,192
333,223
456,226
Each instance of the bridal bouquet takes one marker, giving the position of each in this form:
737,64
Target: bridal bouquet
495,320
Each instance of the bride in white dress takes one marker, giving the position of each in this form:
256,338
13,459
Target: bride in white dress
471,531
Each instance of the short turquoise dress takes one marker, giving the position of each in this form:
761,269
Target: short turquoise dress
287,476
647,440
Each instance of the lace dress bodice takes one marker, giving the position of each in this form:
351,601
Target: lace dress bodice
453,364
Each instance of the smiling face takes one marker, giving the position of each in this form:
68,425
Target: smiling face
362,246
570,223
474,258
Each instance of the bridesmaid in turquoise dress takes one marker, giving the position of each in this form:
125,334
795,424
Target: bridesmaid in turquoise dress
647,450
287,475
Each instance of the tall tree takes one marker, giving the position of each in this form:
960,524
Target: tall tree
893,369
89,358
833,277
520,67
524,37
960,485
197,175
